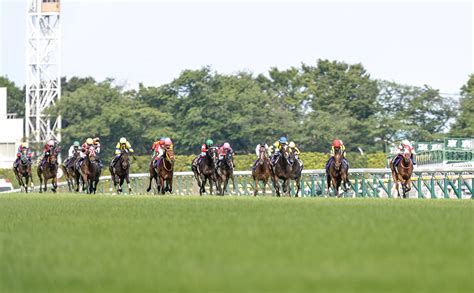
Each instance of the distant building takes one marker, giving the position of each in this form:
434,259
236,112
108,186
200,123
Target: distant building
11,132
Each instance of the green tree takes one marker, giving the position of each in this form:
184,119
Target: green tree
15,97
464,125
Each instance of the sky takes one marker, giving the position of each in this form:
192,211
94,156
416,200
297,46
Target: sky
153,41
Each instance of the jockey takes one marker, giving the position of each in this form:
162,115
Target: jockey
260,145
96,143
337,145
85,147
276,147
122,145
73,149
401,150
204,147
223,149
257,152
157,144
23,147
296,151
164,144
48,147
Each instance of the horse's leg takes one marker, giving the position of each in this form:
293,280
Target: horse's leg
128,184
170,184
255,190
226,182
328,183
149,185
54,182
334,186
298,186
276,185
162,183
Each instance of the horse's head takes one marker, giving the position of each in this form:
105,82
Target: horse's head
212,153
285,151
169,154
125,160
337,160
92,154
53,158
24,157
262,154
406,154
229,158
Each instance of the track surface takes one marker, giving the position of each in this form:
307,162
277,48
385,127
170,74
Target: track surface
68,242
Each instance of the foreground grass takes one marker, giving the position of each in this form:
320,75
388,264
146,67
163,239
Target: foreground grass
85,243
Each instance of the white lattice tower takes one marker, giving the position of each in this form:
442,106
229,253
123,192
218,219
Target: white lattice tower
43,64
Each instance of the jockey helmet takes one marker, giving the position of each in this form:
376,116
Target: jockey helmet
24,145
76,143
226,146
292,144
168,141
336,143
51,142
89,141
96,139
283,139
405,142
209,142
123,140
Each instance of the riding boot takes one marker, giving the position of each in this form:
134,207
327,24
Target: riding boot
413,160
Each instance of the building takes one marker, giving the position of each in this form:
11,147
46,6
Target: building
11,130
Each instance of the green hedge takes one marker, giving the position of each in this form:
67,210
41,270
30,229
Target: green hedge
242,162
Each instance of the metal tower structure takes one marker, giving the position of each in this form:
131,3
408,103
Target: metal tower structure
43,64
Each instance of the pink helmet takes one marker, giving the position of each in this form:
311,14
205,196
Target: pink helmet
168,141
51,142
226,145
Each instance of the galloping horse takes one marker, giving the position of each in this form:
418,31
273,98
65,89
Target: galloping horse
84,172
337,173
402,172
282,170
224,171
262,170
164,172
205,170
49,171
23,169
69,169
94,171
120,172
296,169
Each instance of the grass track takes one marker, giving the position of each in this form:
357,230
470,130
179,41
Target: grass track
83,243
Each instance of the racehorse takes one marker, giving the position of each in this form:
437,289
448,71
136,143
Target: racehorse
337,173
262,170
163,172
94,171
23,169
69,170
296,169
402,172
49,171
224,171
282,170
205,170
120,172
83,172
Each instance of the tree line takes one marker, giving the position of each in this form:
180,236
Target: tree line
311,104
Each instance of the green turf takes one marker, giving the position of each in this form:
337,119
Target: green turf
82,243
